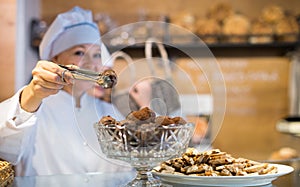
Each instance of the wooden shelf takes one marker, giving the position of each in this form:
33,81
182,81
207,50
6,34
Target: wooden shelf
217,50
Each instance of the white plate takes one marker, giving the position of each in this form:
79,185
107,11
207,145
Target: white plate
226,180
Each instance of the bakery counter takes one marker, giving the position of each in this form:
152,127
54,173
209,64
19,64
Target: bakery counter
122,178
76,180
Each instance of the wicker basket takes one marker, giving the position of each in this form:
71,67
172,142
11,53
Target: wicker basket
6,174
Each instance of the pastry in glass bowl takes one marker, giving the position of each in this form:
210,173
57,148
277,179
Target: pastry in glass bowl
144,140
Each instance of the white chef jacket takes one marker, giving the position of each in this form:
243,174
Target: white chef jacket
57,139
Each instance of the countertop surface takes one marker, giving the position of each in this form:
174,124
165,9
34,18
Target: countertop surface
122,178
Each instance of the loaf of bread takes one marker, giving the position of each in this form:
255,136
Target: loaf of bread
208,30
261,32
287,29
220,11
236,28
272,13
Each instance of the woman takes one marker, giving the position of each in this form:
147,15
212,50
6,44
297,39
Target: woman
46,128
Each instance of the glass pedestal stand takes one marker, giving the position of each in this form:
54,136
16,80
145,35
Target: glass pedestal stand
144,178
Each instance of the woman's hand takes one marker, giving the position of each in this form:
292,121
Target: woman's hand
48,79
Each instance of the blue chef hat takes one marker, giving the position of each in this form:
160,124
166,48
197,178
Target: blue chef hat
72,28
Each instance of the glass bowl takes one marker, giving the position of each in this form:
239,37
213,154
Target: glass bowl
144,147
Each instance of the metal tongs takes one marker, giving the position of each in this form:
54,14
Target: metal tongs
106,79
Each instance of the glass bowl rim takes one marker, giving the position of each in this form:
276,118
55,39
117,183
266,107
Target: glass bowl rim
187,125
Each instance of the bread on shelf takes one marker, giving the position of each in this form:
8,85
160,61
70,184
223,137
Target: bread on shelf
287,29
236,28
261,32
208,30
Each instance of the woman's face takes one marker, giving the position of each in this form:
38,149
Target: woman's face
86,56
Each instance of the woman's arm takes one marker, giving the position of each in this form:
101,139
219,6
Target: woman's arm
14,125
